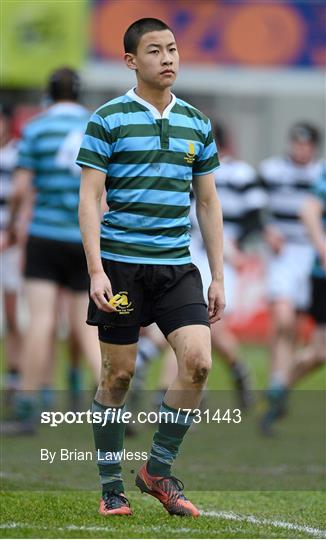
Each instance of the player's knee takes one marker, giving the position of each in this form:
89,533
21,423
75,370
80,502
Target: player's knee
43,326
285,326
198,366
119,384
123,379
116,379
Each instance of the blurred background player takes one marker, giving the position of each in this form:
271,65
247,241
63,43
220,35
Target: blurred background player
287,179
313,215
10,254
54,252
12,261
243,200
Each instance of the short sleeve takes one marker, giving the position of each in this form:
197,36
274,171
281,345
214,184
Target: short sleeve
207,160
96,147
26,158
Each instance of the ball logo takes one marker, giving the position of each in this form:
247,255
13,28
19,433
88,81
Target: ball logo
190,155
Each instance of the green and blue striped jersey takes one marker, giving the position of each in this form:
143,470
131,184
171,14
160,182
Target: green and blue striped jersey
149,161
49,147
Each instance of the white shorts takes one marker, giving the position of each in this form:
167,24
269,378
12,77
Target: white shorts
199,258
11,276
288,275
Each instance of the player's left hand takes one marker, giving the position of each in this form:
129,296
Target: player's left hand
216,301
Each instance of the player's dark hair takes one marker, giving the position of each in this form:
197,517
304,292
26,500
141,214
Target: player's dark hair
137,29
221,136
306,132
64,85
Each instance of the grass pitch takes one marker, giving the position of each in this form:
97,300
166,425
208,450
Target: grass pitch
225,515
38,502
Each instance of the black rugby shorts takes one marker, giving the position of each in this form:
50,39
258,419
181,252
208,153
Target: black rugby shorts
171,296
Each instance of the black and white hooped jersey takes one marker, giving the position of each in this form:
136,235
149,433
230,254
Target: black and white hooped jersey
7,165
287,184
239,192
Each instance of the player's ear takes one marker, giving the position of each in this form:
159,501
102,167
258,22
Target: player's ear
130,61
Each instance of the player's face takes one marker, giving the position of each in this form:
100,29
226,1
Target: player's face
157,59
302,151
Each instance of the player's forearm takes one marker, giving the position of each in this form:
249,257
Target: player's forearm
89,222
209,215
90,195
14,209
318,238
311,216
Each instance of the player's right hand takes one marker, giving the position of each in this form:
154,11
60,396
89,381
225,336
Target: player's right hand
216,301
101,291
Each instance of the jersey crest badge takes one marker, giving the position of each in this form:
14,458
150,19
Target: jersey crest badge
190,155
121,303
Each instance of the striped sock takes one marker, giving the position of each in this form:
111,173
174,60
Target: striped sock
74,379
26,407
167,440
108,443
46,395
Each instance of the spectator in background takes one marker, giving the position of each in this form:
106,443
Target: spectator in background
288,179
54,252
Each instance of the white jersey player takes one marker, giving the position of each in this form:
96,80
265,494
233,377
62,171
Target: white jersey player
242,200
288,179
10,254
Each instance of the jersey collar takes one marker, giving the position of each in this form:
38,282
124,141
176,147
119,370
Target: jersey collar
132,95
67,108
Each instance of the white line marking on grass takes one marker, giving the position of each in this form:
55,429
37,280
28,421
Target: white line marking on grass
270,522
224,515
95,528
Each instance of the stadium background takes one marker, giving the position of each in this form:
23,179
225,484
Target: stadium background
256,66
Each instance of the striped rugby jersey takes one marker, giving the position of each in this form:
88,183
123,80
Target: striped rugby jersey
239,192
287,184
7,167
149,161
319,191
49,147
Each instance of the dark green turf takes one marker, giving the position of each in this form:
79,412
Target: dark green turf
74,515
